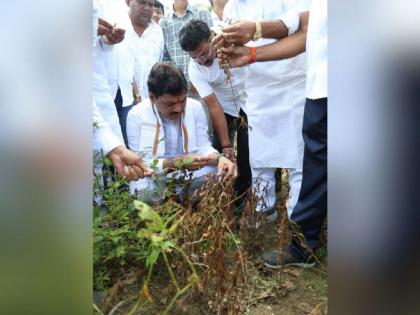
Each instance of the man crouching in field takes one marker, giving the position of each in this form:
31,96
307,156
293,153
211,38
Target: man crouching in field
170,130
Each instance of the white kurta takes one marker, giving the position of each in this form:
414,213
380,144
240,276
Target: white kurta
101,91
316,46
276,93
149,50
121,59
141,131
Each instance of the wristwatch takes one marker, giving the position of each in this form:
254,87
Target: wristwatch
258,31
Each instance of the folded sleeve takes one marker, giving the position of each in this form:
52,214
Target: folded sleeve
292,9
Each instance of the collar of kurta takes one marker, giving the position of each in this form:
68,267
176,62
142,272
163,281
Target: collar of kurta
159,124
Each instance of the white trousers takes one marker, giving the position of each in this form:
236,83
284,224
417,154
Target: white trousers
264,188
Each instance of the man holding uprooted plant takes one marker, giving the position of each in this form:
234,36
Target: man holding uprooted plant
223,96
170,130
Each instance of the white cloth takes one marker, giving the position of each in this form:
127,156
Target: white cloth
276,93
217,22
101,92
103,138
264,188
316,47
212,79
123,60
149,49
173,137
141,131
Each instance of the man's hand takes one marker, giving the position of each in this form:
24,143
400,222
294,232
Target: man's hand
230,152
226,168
113,36
128,164
234,56
239,33
103,27
190,161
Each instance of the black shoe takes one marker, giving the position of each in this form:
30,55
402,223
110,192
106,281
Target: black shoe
274,260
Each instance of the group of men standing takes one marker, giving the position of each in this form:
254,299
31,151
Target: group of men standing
273,99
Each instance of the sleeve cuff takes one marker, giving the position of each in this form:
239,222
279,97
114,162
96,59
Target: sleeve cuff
106,140
105,47
291,20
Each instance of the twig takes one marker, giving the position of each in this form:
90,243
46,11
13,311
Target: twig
121,303
96,308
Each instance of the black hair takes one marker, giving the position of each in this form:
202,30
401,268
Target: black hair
166,77
193,33
157,4
211,3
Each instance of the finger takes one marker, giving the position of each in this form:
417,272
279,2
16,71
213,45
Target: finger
228,50
235,173
217,40
133,174
104,23
231,28
220,169
138,170
147,171
123,171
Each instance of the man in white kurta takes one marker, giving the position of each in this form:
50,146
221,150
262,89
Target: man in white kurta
121,60
168,128
149,42
107,135
309,30
275,103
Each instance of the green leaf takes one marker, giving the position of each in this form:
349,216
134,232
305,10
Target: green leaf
153,257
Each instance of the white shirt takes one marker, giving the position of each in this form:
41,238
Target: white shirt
316,47
217,22
208,80
275,91
122,60
103,137
104,107
149,50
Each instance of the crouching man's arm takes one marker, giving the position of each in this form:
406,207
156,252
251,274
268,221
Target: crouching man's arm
225,167
190,161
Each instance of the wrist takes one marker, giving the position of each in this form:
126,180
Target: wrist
226,146
252,54
116,151
258,31
219,156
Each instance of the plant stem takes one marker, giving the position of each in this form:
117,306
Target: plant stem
137,305
176,296
186,259
171,273
96,308
239,251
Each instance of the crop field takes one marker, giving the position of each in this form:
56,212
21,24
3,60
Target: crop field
197,255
